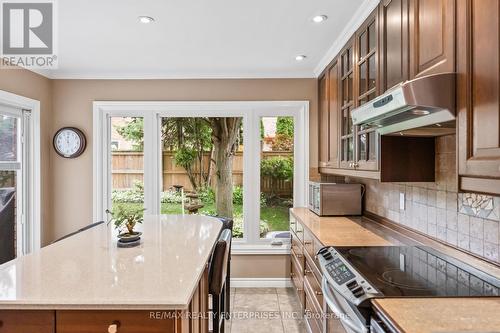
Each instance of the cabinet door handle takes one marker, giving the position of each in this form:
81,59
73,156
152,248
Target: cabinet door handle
318,293
307,271
113,328
299,290
308,242
292,274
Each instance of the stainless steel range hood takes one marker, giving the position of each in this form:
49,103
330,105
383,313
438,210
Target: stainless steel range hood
420,107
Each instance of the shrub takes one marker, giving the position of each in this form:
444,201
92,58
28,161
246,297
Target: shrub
207,195
238,195
278,167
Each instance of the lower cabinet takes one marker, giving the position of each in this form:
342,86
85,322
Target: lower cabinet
306,277
115,321
16,321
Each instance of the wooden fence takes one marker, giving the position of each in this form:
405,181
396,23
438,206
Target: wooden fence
128,167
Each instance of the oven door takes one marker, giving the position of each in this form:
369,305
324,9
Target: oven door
342,316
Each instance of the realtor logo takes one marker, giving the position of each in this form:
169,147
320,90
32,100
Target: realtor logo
28,34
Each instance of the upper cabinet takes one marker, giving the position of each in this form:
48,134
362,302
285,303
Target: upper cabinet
367,84
346,106
394,42
432,37
334,115
478,65
323,121
401,40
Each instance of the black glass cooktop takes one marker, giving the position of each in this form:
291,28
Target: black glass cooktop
419,271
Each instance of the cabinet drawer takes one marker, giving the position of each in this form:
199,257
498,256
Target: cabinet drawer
309,243
17,321
297,280
311,276
125,321
293,223
299,232
312,312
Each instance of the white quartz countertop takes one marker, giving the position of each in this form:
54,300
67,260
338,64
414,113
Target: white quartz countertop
88,271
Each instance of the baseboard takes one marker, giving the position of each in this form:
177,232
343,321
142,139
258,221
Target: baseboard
261,283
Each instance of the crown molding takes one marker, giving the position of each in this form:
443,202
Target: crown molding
354,23
305,74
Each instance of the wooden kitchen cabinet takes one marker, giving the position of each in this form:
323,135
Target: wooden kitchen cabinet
334,115
324,121
478,104
108,321
432,37
346,106
24,321
366,89
394,43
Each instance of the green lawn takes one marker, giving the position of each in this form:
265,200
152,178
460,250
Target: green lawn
275,216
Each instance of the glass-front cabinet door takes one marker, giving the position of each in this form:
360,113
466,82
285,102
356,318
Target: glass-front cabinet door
346,106
367,82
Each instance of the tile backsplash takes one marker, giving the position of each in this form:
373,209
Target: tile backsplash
465,220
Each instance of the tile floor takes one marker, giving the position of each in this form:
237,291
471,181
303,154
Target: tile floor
269,310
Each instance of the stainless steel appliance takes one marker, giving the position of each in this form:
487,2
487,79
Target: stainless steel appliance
421,107
354,276
329,199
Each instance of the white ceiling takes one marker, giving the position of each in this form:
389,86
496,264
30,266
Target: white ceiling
201,38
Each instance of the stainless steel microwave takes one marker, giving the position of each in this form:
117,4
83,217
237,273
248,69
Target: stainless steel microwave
330,199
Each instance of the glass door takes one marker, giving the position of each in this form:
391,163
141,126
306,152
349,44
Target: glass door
126,165
14,183
347,104
366,137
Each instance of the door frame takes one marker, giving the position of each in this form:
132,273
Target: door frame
102,110
32,171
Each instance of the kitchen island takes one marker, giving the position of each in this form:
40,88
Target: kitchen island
85,283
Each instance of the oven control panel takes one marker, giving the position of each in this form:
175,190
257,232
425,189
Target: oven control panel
342,277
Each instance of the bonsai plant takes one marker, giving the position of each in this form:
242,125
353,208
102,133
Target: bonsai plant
125,220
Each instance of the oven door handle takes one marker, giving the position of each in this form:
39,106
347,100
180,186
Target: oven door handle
328,297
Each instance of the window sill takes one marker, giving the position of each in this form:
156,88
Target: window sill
253,249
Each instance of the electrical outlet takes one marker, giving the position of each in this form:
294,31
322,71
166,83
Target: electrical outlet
402,201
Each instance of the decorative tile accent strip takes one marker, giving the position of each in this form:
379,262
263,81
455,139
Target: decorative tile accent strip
479,205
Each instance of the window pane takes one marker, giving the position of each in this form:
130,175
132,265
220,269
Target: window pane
362,147
8,215
127,166
276,176
371,37
372,74
362,78
363,45
350,149
193,170
372,141
8,138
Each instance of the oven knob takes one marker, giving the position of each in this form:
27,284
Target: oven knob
358,291
351,285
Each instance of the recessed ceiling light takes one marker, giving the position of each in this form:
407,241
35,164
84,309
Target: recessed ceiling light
300,57
146,19
319,18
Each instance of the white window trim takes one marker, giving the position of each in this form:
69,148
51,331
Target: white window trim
33,219
249,110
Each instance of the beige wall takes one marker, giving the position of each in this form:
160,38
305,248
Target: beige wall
72,100
260,266
29,84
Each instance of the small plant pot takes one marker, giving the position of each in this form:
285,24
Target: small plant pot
128,237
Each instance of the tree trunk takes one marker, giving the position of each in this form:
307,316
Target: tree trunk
225,137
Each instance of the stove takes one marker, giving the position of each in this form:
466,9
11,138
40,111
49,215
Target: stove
410,271
352,276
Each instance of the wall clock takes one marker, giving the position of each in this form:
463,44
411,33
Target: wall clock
69,142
